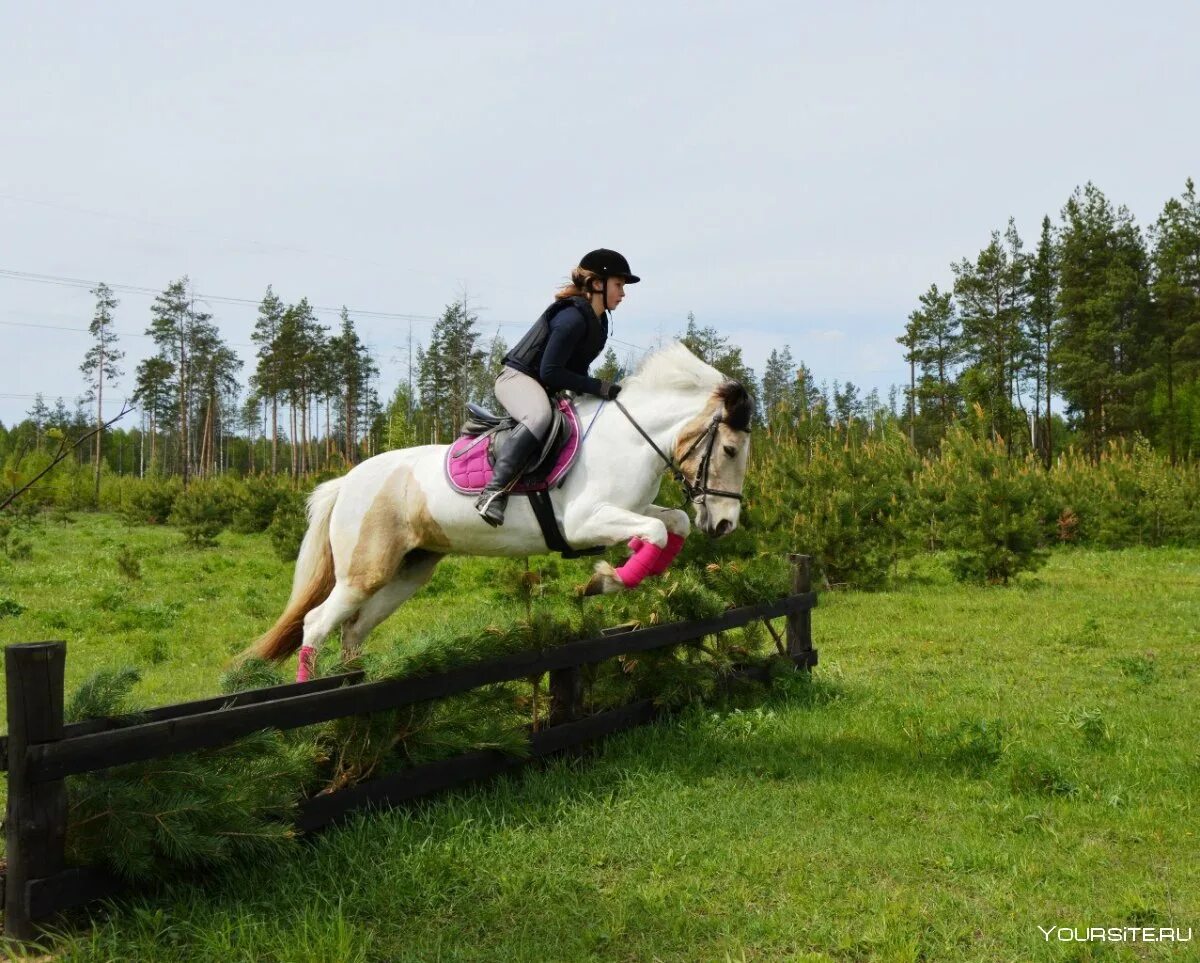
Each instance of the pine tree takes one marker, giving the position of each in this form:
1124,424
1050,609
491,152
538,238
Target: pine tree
1102,357
402,431
177,328
353,368
101,364
1041,331
992,295
713,348
777,382
266,336
448,370
610,367
214,365
299,351
152,392
39,414
60,417
1176,290
483,390
934,347
911,342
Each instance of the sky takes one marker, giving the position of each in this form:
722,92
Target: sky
791,173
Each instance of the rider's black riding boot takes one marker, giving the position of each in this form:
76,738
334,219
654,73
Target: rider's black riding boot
519,448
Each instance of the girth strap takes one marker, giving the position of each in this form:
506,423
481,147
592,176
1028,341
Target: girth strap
543,511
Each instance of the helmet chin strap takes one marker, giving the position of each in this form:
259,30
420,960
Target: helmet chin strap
604,304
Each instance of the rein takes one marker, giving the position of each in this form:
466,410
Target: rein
693,489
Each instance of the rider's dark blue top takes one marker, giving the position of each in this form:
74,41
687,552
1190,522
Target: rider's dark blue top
561,346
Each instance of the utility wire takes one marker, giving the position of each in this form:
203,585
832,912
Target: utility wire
83,284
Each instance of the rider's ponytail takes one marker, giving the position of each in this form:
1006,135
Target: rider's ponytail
578,286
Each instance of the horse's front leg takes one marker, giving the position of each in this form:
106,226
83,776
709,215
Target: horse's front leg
678,525
609,524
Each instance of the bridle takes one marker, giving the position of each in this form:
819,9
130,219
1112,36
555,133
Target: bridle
699,486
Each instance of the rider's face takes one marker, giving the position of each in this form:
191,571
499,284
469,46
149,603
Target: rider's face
615,290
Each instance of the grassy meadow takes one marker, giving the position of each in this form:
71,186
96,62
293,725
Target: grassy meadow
967,764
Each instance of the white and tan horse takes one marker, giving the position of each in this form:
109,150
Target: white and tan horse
376,534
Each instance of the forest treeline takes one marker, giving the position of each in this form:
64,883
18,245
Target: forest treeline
1100,315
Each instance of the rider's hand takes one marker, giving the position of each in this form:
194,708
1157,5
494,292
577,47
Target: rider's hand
609,391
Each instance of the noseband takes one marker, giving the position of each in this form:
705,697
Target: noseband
699,485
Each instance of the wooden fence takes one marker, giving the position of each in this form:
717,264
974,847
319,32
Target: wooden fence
41,751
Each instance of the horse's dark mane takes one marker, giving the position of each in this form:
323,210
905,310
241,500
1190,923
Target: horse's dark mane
739,409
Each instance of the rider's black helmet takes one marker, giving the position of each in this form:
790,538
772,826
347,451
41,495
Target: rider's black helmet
608,264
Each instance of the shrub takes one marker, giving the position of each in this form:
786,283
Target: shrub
202,514
1090,724
994,510
973,745
1132,496
255,502
840,500
128,564
19,521
1030,773
10,607
288,524
151,502
1140,668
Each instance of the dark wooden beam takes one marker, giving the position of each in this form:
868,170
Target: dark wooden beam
150,740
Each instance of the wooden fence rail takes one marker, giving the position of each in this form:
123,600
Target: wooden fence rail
41,751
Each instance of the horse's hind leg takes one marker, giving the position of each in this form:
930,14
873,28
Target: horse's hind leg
341,604
415,571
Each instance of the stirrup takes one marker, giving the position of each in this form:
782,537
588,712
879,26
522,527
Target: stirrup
484,507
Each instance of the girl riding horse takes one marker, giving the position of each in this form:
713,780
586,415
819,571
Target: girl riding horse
554,355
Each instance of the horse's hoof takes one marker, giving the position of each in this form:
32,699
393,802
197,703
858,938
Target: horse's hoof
306,666
604,581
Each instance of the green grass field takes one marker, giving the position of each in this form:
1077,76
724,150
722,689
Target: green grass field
968,764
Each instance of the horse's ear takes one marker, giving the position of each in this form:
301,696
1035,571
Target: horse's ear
739,407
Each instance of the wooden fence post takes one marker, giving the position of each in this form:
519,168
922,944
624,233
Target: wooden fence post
566,695
799,624
36,822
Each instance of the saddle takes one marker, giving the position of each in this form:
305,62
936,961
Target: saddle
470,458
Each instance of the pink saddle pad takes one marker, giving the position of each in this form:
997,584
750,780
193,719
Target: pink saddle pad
469,470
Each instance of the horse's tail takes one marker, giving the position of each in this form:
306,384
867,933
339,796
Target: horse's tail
312,583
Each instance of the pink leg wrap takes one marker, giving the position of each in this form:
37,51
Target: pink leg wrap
674,545
307,664
640,564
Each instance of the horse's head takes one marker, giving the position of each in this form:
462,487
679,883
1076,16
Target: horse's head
713,450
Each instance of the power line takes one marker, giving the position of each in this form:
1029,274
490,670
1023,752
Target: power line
83,284
269,246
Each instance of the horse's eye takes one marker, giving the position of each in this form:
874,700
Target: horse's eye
731,451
